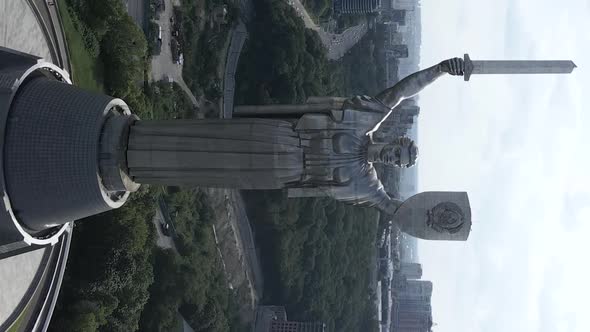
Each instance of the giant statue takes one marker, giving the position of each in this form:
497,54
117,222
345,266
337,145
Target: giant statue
321,148
68,153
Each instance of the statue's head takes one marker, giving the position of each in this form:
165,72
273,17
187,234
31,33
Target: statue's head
401,152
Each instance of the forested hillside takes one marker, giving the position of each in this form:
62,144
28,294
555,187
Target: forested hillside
319,253
283,61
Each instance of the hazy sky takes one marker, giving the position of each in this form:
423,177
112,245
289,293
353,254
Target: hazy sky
521,147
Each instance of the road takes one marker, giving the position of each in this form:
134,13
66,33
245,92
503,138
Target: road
248,241
336,44
339,44
136,9
238,38
51,26
239,34
162,241
163,66
236,242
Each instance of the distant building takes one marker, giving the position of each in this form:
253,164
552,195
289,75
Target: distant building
357,6
411,270
415,289
399,123
274,319
391,15
391,34
288,326
386,5
412,310
406,4
399,16
397,51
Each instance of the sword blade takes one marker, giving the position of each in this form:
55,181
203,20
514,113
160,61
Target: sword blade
523,67
517,67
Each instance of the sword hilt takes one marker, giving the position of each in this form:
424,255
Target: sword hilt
468,70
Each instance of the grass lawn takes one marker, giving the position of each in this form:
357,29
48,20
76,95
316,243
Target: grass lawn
86,70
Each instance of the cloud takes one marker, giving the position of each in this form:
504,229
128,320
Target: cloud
512,24
575,210
518,146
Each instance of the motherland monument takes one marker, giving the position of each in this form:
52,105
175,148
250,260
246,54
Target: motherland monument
69,154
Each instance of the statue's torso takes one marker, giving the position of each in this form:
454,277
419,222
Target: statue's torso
335,152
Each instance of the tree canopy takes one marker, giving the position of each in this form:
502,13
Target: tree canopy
317,254
283,61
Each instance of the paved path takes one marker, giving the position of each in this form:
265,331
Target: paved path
239,34
236,241
162,241
247,238
336,44
339,44
238,38
136,9
162,65
50,21
19,29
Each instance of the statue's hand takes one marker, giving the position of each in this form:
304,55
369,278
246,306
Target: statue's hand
454,66
390,207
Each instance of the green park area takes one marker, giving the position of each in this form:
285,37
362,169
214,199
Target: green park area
283,62
86,69
319,253
108,53
204,45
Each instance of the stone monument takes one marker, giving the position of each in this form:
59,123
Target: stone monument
68,154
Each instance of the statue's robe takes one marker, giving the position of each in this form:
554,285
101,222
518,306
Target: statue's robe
321,153
226,153
335,150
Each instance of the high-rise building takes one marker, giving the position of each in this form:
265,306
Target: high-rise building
399,123
399,16
415,289
411,270
406,4
397,51
412,310
357,6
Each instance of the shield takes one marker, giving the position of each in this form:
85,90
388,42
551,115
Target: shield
436,215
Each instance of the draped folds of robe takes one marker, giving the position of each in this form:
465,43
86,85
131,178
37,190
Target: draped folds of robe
321,153
244,153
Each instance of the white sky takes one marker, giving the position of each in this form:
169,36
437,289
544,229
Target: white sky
520,147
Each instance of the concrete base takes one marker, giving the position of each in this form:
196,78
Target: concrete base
15,67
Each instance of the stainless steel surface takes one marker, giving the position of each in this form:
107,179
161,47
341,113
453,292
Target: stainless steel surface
478,67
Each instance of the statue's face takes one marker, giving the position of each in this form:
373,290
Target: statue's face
401,153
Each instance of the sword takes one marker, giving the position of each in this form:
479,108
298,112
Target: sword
517,67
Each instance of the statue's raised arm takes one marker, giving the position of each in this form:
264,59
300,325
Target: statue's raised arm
413,84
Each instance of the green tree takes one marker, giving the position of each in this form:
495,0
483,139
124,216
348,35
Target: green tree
124,55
